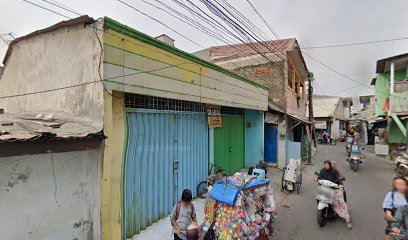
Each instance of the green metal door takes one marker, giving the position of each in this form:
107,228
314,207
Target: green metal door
229,144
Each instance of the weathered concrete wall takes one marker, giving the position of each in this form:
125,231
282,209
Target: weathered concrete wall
282,144
254,137
59,59
51,196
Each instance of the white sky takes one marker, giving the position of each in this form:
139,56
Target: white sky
312,22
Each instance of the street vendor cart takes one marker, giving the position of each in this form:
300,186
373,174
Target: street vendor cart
292,176
240,207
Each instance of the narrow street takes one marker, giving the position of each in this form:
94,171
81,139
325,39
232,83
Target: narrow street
365,191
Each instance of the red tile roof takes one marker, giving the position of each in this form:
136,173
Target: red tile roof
278,46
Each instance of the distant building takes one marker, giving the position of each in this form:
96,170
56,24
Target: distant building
329,115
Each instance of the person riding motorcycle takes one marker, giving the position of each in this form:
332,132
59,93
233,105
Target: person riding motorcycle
326,137
394,200
328,172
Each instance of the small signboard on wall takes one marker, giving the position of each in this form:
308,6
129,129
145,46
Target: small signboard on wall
264,71
271,118
321,125
214,116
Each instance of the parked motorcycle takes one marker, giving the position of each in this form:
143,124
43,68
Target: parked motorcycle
355,157
326,140
325,198
401,165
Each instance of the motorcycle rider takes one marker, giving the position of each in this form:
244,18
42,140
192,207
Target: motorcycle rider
395,199
326,137
329,173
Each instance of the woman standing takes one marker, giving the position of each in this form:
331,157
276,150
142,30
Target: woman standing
395,199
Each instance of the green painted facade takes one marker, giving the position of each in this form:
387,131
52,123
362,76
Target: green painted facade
382,89
229,144
398,102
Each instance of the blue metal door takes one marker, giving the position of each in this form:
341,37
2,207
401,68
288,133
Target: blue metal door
271,145
166,152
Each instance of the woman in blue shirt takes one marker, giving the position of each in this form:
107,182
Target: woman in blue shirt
395,199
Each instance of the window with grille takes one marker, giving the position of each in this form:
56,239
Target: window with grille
149,102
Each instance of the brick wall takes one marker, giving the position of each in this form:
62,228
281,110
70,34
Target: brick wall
271,75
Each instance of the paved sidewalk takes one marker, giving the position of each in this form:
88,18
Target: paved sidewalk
163,230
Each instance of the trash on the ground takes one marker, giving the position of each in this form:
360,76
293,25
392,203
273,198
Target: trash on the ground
244,208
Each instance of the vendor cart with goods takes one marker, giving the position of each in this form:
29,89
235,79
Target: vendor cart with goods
240,207
292,176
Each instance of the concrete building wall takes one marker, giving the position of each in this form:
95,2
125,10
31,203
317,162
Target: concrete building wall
282,144
51,196
254,137
59,59
148,68
295,106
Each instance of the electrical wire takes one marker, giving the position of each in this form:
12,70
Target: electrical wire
77,85
357,44
47,9
163,24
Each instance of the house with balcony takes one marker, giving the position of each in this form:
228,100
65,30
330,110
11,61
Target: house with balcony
391,97
279,65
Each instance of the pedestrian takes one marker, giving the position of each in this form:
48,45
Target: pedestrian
261,165
395,199
183,216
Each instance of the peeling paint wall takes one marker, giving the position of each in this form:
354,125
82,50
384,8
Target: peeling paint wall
59,59
51,196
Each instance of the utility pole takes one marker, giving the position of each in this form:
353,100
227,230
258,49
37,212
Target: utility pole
311,118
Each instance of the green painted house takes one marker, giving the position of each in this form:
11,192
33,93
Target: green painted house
391,95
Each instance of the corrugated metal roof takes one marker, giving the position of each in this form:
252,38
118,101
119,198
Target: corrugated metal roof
382,64
51,125
325,106
275,108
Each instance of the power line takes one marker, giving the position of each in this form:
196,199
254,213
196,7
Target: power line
47,9
61,6
101,80
263,19
154,19
356,44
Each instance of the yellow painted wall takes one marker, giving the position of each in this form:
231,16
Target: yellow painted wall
114,130
134,66
121,41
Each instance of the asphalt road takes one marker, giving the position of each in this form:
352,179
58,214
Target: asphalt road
365,189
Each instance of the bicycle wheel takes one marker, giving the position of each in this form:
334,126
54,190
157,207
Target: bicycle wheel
202,189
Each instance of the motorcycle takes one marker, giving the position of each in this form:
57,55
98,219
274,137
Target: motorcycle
326,140
401,165
349,142
355,157
402,235
325,198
